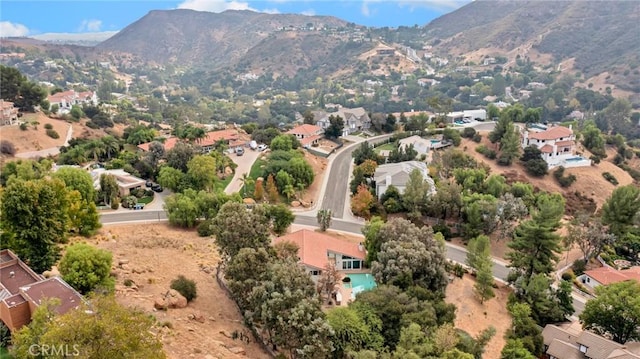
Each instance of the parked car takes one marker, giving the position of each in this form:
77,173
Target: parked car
262,147
253,145
138,206
239,151
157,188
149,184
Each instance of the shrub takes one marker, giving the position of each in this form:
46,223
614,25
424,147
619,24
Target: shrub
5,336
48,126
24,126
53,134
578,267
7,148
536,167
443,229
469,132
568,275
564,181
487,152
205,228
92,125
609,177
115,203
129,201
185,286
477,138
128,282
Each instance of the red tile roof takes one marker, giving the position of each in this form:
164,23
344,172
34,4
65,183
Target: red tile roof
608,275
305,130
313,247
552,133
307,140
546,149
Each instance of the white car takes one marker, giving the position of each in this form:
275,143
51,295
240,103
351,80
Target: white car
262,147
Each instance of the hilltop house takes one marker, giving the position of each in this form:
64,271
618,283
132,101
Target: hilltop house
307,134
355,119
66,99
126,182
607,275
22,290
397,174
557,144
316,250
8,113
569,341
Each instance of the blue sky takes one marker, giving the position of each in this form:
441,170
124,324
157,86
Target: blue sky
25,17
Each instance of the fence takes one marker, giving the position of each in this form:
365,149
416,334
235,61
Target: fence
315,152
256,336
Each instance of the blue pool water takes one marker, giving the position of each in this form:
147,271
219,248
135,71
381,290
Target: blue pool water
360,282
576,159
435,141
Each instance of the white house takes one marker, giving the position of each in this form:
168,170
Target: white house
126,182
397,174
557,144
65,100
421,145
355,119
307,134
316,250
472,115
607,275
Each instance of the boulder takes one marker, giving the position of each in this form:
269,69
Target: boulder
171,299
228,171
123,261
238,351
295,203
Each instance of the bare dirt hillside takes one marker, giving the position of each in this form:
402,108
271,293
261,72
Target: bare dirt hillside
157,254
35,137
473,317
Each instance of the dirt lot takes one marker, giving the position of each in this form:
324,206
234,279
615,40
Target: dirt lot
157,254
589,181
473,317
319,165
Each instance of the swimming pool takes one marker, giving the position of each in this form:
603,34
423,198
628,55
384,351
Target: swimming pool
360,282
575,159
435,141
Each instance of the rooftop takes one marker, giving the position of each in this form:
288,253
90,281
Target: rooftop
552,133
305,130
313,247
607,275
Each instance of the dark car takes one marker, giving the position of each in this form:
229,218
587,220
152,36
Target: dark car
149,184
157,188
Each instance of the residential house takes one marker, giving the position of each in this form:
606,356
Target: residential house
606,275
397,174
569,341
8,113
383,50
557,144
317,250
229,137
126,182
66,99
355,119
471,115
421,145
307,134
22,290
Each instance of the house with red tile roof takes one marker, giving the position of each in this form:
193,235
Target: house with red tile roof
66,99
316,250
557,144
606,275
229,137
8,113
307,134
22,290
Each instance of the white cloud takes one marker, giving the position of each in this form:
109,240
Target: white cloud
215,5
10,29
278,1
91,25
271,11
309,12
365,9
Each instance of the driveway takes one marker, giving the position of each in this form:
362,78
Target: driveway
244,163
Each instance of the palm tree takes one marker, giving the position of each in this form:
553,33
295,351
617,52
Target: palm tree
95,149
76,155
111,144
246,181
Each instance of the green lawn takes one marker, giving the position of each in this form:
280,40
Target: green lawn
145,200
4,354
387,146
254,173
221,185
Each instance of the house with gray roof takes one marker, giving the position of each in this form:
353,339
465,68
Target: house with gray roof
569,341
397,175
355,119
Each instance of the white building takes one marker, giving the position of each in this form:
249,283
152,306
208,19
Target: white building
556,143
65,100
397,175
471,115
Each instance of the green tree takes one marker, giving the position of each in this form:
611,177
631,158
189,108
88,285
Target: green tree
621,209
352,332
479,258
509,146
86,268
108,187
272,190
536,244
83,214
416,192
524,328
503,124
179,156
245,271
284,143
324,219
372,240
615,312
246,182
35,213
171,178
111,145
101,330
236,228
514,349
336,125
281,217
410,256
365,152
202,172
182,209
